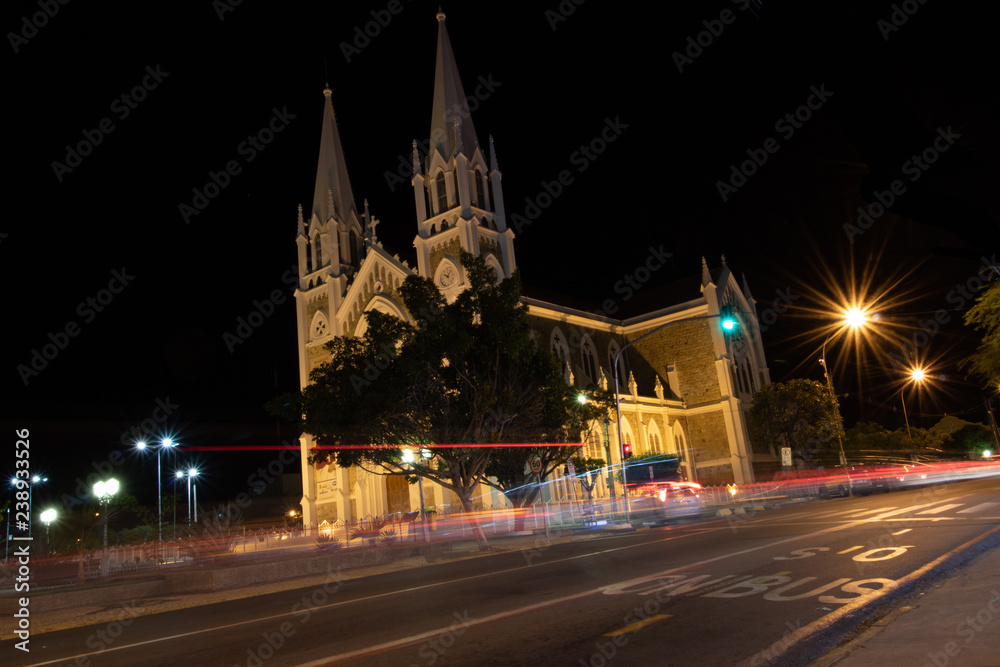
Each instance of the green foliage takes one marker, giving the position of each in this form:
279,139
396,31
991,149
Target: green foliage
466,372
971,439
984,315
800,414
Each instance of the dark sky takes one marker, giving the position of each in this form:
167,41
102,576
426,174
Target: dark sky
880,94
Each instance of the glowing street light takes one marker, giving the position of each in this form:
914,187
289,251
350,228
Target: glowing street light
853,318
917,375
104,491
47,517
165,443
191,472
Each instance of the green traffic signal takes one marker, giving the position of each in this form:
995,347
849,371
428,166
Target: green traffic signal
728,324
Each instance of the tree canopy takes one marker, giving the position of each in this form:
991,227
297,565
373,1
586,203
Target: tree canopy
800,414
984,315
469,372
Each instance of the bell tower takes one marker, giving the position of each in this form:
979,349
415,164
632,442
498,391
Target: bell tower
458,197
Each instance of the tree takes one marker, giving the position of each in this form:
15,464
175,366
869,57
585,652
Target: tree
800,414
984,315
972,439
468,372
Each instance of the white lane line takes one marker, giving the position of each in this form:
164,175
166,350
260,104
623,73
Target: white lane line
861,514
977,508
942,508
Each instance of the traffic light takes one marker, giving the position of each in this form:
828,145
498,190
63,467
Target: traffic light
728,320
627,449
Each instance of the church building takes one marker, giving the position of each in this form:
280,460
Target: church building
685,387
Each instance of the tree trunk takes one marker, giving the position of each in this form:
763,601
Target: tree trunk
477,530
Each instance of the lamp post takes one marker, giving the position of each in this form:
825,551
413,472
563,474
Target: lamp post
47,517
916,375
168,443
191,472
854,318
728,323
409,460
104,491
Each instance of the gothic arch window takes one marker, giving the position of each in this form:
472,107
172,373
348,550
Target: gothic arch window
317,253
655,443
589,359
319,327
480,190
354,247
558,345
442,193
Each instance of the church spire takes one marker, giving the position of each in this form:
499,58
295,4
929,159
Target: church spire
450,103
331,171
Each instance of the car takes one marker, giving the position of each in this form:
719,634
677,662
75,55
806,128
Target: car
665,502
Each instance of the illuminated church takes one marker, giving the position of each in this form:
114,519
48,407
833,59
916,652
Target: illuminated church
685,388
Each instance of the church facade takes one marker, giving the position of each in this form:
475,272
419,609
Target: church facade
685,386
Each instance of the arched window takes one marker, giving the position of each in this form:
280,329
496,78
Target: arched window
480,192
442,193
622,376
354,248
589,360
559,347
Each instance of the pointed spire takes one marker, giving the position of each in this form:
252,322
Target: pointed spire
493,156
449,100
723,259
706,277
332,194
302,223
416,160
746,288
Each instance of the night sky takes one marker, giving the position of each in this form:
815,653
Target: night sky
830,107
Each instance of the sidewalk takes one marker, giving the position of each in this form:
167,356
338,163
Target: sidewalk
953,622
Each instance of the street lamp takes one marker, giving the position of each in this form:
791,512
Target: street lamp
47,517
727,322
409,460
104,491
854,318
916,375
168,443
191,472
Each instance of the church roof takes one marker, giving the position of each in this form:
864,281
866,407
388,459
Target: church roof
450,103
331,172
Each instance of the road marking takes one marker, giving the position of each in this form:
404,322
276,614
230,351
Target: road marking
942,508
977,508
847,551
779,647
900,532
636,626
858,515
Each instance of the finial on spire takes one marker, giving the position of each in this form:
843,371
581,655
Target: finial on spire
706,277
302,223
723,259
493,156
440,15
416,159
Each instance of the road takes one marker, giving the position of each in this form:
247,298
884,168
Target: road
780,584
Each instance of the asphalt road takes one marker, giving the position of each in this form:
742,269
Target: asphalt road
780,585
